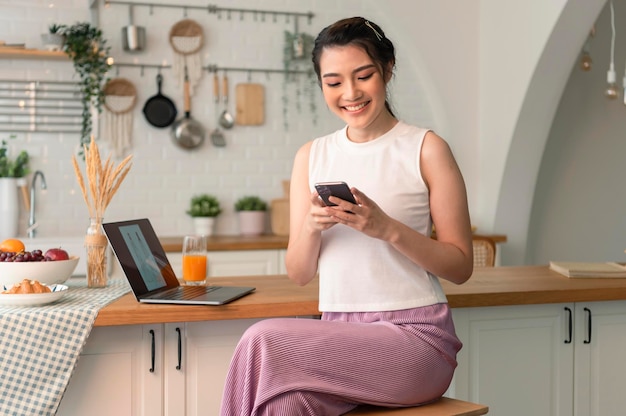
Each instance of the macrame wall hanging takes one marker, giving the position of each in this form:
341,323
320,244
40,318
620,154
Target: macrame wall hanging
120,97
186,38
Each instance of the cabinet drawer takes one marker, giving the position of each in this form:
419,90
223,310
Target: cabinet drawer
234,263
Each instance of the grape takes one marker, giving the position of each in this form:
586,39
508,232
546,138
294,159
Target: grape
23,256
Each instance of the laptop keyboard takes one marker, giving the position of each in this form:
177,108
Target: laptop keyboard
185,292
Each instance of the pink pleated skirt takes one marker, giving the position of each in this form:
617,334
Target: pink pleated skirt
327,367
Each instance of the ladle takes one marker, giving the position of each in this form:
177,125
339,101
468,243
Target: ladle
226,119
217,138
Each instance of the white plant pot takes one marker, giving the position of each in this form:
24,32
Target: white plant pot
9,208
204,225
52,41
251,222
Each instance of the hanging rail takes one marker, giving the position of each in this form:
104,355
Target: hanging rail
213,9
24,104
216,68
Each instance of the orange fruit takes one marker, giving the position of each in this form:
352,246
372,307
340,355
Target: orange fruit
12,245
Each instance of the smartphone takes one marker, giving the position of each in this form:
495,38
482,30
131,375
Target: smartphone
338,189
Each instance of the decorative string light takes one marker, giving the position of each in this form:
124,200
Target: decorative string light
611,90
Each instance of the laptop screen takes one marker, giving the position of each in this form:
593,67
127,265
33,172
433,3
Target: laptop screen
141,255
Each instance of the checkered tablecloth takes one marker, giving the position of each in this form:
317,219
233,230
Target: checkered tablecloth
40,345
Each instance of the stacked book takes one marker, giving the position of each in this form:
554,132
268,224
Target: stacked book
582,269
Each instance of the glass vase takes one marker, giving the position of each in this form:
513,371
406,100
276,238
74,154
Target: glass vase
96,248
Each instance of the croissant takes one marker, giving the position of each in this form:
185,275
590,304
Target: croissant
27,286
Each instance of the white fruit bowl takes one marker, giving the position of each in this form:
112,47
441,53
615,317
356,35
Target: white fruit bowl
47,272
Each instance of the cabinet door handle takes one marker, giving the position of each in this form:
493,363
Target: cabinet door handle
180,349
569,325
588,312
152,351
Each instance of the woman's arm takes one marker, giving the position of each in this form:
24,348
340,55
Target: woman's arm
307,219
450,256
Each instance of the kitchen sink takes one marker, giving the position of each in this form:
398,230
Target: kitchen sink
73,245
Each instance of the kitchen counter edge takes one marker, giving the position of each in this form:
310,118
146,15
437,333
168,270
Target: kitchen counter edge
277,296
258,242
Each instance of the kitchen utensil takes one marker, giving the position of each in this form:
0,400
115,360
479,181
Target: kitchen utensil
120,97
133,37
226,119
159,110
250,104
186,38
217,138
187,132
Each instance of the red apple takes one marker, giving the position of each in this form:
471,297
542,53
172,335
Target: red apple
55,254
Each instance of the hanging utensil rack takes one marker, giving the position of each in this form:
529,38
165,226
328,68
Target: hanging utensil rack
216,68
40,106
217,10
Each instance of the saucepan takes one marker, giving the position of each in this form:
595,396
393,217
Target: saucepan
187,132
133,37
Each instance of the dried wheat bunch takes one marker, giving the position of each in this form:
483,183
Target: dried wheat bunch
103,180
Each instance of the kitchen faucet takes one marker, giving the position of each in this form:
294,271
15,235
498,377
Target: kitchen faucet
32,224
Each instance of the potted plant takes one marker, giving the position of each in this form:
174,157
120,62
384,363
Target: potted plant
203,209
12,172
251,211
88,49
53,40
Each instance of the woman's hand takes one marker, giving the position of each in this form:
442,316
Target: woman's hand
364,216
319,217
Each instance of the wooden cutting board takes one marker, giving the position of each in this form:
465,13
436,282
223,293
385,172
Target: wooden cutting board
280,216
250,104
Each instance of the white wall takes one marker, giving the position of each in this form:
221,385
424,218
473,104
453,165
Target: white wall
164,177
579,205
487,75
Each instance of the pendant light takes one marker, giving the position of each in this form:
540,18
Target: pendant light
611,90
585,59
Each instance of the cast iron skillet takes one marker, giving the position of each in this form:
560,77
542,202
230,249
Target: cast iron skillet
159,110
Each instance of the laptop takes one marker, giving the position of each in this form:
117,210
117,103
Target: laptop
151,277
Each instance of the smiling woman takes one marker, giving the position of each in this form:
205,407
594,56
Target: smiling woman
382,320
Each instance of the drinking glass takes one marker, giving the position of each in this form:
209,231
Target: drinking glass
194,259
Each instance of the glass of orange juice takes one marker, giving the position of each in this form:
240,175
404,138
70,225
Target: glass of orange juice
194,259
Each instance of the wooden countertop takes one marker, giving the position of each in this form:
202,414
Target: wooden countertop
230,242
277,296
261,242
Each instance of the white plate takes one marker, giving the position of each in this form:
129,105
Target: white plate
32,299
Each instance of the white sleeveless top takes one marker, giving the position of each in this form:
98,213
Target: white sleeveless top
363,274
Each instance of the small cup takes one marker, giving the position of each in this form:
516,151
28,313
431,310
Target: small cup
194,260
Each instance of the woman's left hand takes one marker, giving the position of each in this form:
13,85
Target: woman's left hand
365,216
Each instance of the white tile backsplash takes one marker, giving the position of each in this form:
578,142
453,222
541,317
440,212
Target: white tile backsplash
163,177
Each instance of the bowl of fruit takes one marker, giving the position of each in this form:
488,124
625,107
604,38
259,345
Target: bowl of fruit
49,266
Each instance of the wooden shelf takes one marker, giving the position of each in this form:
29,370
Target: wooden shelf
19,53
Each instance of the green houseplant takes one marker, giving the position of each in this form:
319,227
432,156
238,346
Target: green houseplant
204,205
12,172
88,49
13,168
53,40
251,212
203,210
250,203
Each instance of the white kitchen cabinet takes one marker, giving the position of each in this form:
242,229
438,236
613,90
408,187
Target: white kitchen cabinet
282,269
234,262
113,374
519,359
600,368
207,348
191,360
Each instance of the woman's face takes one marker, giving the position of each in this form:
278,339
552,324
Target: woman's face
354,89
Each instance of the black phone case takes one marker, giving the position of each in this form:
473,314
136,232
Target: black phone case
338,189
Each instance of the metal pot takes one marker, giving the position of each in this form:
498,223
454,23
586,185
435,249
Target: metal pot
133,37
